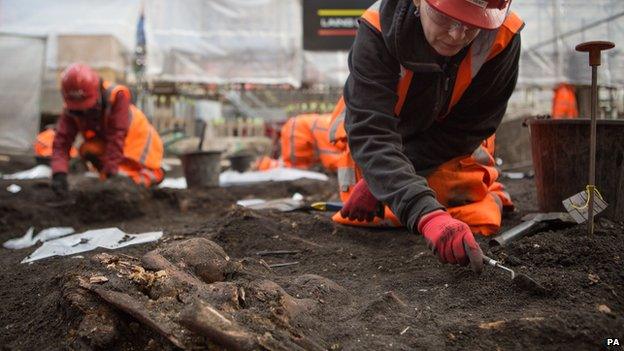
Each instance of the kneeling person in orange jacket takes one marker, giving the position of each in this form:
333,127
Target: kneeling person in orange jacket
305,142
429,85
118,138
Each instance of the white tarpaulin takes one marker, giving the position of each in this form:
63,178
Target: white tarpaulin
21,74
229,178
260,41
224,41
39,171
116,18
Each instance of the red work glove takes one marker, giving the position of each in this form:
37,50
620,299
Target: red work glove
362,205
451,240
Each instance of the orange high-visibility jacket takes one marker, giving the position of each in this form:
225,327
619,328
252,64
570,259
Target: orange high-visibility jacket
564,102
43,144
305,142
418,198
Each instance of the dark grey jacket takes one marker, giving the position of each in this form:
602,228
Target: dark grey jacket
396,153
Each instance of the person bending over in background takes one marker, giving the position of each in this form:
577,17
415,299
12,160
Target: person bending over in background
119,141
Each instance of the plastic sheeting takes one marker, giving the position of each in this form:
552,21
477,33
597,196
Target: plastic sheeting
224,41
117,18
21,74
284,204
39,171
545,60
554,27
108,238
230,178
326,67
28,240
259,41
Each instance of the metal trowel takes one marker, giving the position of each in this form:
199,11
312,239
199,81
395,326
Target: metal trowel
519,280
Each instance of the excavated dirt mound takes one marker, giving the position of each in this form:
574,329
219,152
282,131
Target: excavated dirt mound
228,277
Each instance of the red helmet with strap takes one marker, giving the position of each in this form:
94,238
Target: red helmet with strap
80,86
484,14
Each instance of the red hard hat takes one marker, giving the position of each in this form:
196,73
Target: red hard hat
485,14
80,85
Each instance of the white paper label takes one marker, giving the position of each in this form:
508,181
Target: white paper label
578,206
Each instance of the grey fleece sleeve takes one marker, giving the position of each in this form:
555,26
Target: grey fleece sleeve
372,129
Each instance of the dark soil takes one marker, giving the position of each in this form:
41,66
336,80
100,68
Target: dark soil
204,285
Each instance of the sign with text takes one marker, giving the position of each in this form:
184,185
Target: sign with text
330,25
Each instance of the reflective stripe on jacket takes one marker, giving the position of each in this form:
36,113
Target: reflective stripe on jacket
142,142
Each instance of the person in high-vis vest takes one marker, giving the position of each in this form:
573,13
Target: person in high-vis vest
564,102
305,142
428,86
119,141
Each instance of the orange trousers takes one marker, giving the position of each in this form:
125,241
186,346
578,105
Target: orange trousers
466,186
93,149
265,163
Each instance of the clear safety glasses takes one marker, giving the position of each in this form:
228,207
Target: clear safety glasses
445,21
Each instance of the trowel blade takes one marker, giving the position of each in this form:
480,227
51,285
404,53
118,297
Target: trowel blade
527,283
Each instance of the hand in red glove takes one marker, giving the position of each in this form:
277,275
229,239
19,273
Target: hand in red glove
451,240
362,205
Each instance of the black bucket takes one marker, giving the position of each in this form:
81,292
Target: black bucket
201,168
560,149
241,162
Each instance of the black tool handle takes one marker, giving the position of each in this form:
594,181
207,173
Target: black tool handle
337,206
516,233
333,206
381,210
201,138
